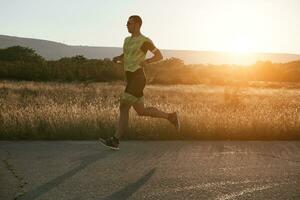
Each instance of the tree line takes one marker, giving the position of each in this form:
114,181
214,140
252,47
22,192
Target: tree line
22,63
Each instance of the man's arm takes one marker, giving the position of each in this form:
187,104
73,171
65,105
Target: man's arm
118,59
157,56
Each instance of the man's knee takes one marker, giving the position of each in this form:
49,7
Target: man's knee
141,111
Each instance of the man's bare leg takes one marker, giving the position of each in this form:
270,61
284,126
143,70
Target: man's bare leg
156,113
149,111
122,124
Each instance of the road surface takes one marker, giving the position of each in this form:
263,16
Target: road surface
150,170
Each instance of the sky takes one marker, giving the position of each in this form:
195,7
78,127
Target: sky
209,25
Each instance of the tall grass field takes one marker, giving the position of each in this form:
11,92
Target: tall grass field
52,110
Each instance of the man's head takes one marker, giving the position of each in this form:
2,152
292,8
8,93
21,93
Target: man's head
134,23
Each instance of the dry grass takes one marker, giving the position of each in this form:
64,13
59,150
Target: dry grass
31,110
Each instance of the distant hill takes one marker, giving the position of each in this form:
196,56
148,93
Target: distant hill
53,50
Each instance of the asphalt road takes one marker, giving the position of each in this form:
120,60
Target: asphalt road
150,170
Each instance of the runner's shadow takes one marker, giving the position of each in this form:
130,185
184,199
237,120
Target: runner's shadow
127,191
84,161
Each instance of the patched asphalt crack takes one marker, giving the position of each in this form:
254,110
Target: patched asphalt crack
21,182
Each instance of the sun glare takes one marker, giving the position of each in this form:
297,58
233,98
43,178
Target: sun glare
241,50
241,45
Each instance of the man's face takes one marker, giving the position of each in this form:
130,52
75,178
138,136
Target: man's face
131,25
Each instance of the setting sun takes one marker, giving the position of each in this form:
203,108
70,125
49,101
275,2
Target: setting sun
241,45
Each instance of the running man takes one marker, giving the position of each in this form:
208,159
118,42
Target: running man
135,48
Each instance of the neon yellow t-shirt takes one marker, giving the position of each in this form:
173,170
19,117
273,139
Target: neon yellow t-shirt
133,52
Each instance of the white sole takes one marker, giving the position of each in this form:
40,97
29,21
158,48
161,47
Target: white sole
102,141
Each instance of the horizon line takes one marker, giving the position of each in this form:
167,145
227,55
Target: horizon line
194,50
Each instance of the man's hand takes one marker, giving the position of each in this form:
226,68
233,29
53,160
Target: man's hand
118,59
144,63
157,57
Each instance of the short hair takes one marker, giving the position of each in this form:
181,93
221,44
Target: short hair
137,19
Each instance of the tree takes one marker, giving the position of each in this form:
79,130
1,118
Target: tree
19,53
